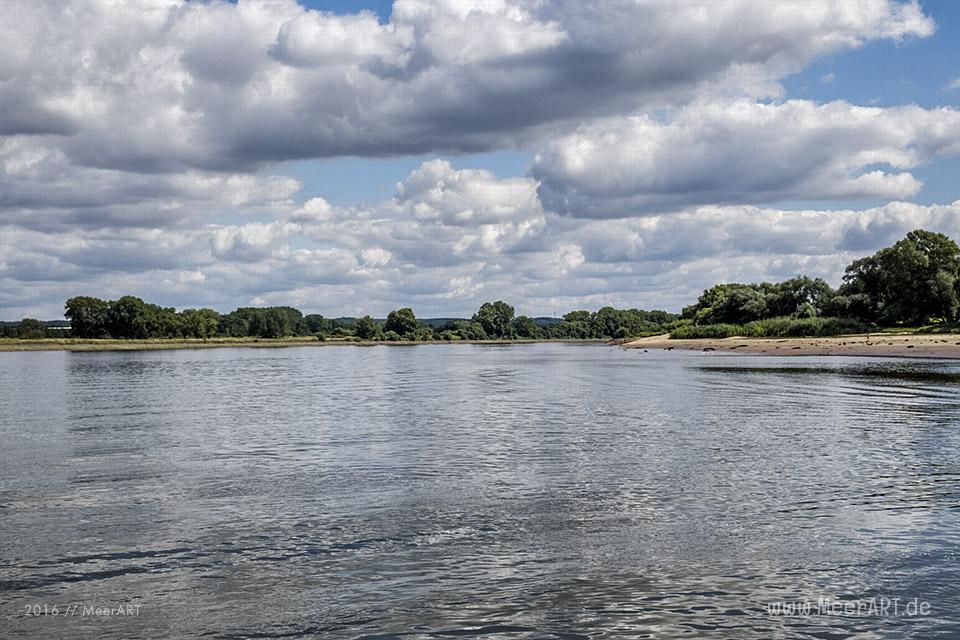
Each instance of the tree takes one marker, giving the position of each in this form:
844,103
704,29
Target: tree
733,303
569,329
608,323
402,322
128,318
318,325
88,317
285,321
525,327
578,316
800,296
365,328
31,329
264,322
916,279
468,330
199,323
495,318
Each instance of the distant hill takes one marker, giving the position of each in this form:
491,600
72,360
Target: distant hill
543,321
50,324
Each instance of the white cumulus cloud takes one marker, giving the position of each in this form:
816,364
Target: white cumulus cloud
742,152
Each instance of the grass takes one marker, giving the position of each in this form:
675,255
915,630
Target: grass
114,344
773,328
942,327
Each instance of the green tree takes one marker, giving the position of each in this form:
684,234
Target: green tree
318,325
199,323
744,304
608,323
88,317
569,329
402,322
264,322
128,317
525,327
31,329
468,330
800,296
495,318
366,328
916,279
729,303
578,316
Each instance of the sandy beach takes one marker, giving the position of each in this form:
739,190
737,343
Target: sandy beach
880,345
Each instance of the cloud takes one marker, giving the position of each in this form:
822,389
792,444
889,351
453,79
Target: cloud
742,152
140,144
161,113
317,40
439,216
250,242
41,188
346,260
953,84
467,197
168,85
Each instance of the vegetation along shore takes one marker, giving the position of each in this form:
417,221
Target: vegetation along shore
131,323
903,300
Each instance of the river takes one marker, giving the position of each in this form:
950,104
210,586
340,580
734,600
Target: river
436,491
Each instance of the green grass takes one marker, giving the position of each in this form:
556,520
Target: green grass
773,328
943,327
106,344
693,331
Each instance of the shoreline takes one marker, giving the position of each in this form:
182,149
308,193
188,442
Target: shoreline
933,345
868,345
111,344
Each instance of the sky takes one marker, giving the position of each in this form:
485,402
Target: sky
355,157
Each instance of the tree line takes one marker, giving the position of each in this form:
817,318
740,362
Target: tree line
130,317
914,282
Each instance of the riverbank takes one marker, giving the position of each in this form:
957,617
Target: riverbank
877,344
79,344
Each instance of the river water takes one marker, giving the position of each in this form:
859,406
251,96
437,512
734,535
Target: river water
439,491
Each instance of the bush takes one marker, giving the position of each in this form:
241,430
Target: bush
31,329
692,331
785,327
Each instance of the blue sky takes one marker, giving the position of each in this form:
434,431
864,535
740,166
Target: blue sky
888,74
382,8
439,154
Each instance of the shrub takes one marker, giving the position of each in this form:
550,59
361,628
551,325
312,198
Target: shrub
785,327
691,331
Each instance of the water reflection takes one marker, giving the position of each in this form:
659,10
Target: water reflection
529,491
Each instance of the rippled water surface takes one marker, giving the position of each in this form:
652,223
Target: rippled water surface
527,491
